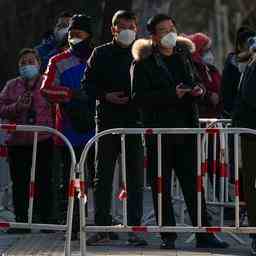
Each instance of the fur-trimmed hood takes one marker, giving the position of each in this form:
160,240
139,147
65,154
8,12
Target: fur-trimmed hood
143,48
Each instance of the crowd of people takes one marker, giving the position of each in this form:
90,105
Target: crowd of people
167,80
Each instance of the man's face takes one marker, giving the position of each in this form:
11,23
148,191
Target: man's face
163,28
123,24
62,23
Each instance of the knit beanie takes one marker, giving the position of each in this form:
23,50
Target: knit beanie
81,22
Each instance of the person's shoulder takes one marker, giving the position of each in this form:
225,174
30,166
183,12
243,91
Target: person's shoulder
14,82
61,57
142,51
103,48
184,46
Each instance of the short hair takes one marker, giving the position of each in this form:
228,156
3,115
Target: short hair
123,14
25,51
64,14
155,20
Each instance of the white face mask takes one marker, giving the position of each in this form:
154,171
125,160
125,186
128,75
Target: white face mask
242,66
126,37
61,34
75,40
169,40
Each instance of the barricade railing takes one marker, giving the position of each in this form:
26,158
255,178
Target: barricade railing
67,228
199,132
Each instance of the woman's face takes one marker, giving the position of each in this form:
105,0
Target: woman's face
28,59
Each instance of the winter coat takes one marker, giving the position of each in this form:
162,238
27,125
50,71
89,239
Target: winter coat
109,71
8,110
63,77
211,79
154,92
245,108
229,83
47,49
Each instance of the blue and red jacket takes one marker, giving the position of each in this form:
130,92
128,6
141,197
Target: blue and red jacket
62,76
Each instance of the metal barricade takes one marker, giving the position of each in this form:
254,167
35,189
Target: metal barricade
199,132
11,128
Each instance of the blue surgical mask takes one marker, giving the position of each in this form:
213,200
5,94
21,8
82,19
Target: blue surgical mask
29,71
208,58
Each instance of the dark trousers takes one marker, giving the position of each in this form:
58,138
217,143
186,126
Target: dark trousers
178,153
108,151
20,159
66,161
249,176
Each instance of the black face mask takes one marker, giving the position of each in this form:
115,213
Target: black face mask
82,49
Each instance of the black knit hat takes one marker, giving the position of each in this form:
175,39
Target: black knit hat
81,22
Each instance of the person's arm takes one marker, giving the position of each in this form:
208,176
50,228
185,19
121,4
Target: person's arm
92,81
51,87
247,86
9,109
143,95
229,86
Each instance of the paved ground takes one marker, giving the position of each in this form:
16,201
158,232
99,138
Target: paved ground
52,244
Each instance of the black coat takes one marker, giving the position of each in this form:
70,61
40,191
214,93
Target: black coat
109,71
245,109
229,84
155,92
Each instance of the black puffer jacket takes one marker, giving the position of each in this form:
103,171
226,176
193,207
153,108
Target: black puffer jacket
155,92
109,71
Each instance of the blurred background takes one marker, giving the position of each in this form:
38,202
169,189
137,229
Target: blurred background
23,23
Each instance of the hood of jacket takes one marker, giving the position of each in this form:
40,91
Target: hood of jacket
143,48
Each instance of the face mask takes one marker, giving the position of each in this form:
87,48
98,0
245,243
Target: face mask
80,47
169,40
74,41
29,71
208,58
61,34
126,37
242,66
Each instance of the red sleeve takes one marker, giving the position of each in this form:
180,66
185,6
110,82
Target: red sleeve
51,87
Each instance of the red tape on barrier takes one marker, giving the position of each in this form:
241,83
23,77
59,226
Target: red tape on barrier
199,184
3,151
159,185
212,130
222,170
123,195
4,225
32,189
213,230
204,168
71,189
9,127
140,229
149,131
